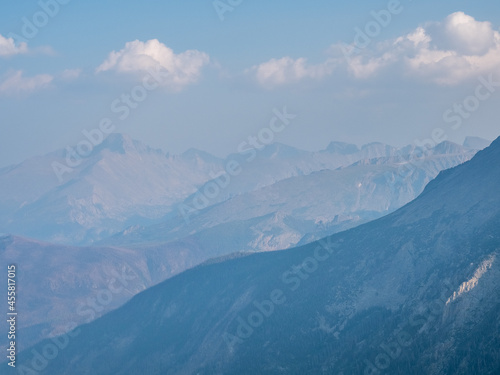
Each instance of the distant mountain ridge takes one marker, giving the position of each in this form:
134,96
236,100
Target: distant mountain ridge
414,292
123,182
127,183
319,202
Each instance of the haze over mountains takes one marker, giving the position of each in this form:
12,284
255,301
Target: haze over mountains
121,181
306,206
414,292
297,194
282,198
125,183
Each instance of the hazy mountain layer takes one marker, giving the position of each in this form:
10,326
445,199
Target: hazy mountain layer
304,207
295,210
415,292
125,183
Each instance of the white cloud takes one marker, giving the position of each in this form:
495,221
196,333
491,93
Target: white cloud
446,53
468,36
9,48
16,83
140,57
276,72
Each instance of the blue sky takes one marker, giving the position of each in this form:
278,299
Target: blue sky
226,76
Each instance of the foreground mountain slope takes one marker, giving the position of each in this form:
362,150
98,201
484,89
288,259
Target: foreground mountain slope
414,292
275,217
65,286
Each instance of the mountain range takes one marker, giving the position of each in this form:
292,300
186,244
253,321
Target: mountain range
300,208
125,184
413,292
283,198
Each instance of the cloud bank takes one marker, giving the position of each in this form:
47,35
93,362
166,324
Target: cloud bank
449,52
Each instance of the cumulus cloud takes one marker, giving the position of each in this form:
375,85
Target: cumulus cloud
16,83
276,72
468,36
446,53
141,57
9,48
